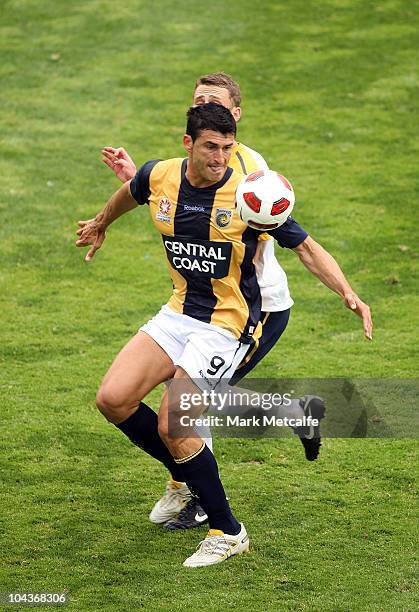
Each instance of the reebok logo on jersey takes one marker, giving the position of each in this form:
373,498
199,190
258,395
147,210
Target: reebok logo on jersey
198,258
193,208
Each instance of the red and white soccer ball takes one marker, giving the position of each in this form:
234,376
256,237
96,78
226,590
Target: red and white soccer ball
264,199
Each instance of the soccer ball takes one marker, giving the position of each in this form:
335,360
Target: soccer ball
264,199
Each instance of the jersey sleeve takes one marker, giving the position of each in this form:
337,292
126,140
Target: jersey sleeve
290,234
140,184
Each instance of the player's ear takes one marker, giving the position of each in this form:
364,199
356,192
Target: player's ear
188,143
236,111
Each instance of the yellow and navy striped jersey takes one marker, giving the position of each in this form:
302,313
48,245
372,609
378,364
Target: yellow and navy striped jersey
209,249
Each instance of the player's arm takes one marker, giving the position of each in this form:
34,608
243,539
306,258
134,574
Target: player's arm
321,263
132,193
121,164
93,231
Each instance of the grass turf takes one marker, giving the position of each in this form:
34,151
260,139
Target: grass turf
330,99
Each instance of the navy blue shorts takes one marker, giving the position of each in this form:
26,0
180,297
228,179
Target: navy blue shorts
273,326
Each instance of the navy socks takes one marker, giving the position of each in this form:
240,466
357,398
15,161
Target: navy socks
142,429
200,472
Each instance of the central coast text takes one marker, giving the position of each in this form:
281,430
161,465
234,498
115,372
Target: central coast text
200,257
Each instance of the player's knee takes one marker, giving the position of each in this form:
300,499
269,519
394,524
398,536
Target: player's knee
110,402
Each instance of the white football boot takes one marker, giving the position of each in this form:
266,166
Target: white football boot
175,499
218,546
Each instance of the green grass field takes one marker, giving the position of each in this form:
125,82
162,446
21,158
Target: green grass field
330,98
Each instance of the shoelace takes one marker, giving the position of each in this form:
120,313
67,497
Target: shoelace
211,545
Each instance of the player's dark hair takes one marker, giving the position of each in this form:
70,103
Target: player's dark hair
209,116
221,79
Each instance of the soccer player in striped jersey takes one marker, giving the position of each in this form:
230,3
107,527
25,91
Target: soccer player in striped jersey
171,510
200,336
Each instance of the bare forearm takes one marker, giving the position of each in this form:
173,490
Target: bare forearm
320,263
93,231
323,265
118,204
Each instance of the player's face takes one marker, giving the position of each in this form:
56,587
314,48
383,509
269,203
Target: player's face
208,157
220,95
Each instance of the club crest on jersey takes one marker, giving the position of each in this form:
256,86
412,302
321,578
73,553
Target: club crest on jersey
223,217
163,213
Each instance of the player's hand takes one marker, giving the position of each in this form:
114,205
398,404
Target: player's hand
91,232
119,162
352,301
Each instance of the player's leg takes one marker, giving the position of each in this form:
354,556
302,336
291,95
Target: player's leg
139,367
166,329
273,326
173,503
227,536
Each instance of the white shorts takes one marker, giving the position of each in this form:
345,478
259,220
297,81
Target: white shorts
209,354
